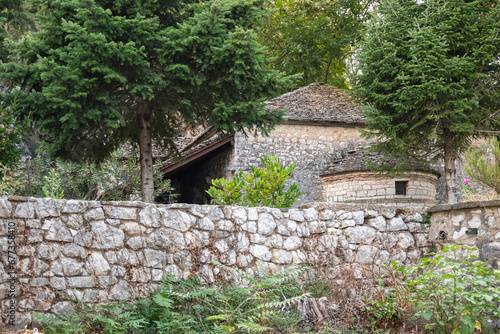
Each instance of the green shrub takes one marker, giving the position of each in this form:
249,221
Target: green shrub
187,307
454,292
260,187
486,173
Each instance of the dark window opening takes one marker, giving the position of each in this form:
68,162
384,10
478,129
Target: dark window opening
401,187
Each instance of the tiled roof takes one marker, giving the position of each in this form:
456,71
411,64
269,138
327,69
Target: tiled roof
318,102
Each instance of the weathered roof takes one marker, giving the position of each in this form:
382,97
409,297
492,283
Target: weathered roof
318,102
355,159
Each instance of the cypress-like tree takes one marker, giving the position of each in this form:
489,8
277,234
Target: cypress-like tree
428,76
101,72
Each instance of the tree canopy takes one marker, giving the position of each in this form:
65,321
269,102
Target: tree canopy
314,37
428,76
101,72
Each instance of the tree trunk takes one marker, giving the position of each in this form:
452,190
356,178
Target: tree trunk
450,170
146,154
327,70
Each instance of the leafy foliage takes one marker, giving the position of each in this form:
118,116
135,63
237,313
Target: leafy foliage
260,187
428,76
482,170
454,292
116,178
314,37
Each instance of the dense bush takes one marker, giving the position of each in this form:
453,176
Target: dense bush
260,187
117,178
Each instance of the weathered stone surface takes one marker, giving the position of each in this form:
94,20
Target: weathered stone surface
94,214
136,243
67,267
491,251
205,224
133,228
397,224
358,217
250,227
150,216
347,223
120,212
266,224
243,242
121,291
253,214
73,206
35,236
317,227
406,240
73,250
292,243
24,210
97,265
364,234
47,207
5,208
166,239
303,230
310,214
56,231
58,283
280,256
81,282
287,227
366,254
224,225
177,220
261,252
49,251
379,223
239,214
105,236
215,213
296,215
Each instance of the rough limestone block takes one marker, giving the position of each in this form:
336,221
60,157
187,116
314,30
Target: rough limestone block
261,252
406,240
73,206
282,257
94,214
397,224
120,213
105,236
296,215
5,208
81,282
47,207
366,254
97,265
358,217
379,223
56,231
266,224
121,291
358,234
25,210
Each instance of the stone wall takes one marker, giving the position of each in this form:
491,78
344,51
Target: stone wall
64,250
312,148
368,186
455,224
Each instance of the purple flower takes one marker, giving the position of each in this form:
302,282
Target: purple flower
466,181
470,188
489,320
352,195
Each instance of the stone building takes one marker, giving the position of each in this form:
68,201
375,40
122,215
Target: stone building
320,134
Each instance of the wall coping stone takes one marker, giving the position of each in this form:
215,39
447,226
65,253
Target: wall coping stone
464,205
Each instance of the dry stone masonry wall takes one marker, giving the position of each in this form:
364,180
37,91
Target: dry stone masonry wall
473,224
90,251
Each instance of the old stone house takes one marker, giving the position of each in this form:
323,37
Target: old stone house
320,135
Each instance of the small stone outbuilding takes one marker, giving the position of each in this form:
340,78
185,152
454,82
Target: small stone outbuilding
320,134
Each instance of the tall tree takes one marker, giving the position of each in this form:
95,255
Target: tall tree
427,75
314,37
101,72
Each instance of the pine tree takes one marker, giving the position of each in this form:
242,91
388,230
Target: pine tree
102,72
427,76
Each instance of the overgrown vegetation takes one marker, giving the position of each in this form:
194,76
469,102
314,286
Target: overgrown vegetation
117,178
186,306
483,170
260,187
450,292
